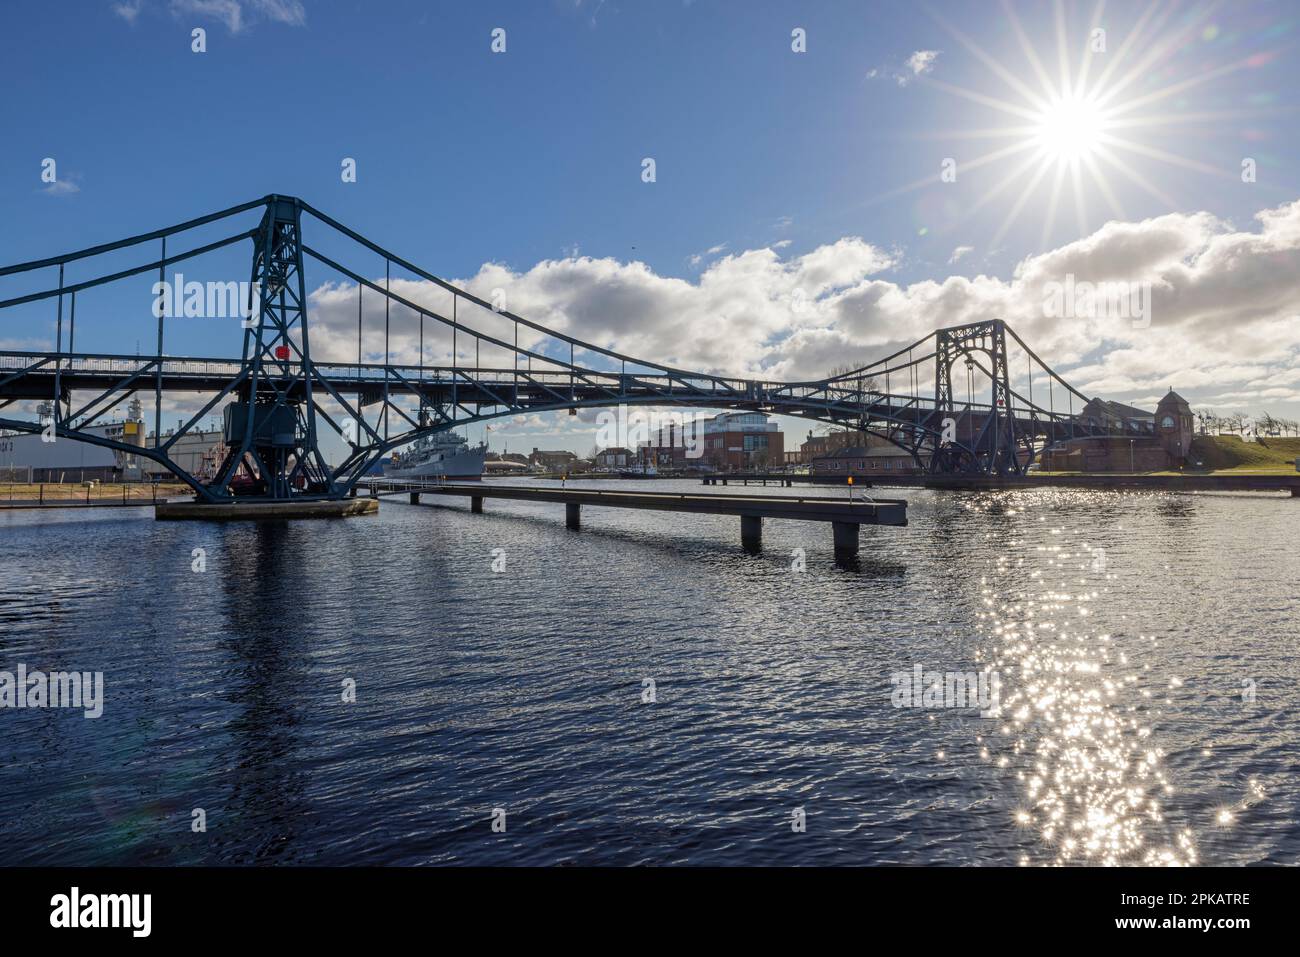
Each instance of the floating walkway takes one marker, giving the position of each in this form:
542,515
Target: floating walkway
787,479
846,516
253,511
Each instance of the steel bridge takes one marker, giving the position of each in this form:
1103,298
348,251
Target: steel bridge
278,399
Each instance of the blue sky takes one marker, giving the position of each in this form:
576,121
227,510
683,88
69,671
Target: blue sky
479,165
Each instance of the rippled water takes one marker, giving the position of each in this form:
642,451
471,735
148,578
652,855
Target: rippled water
1127,630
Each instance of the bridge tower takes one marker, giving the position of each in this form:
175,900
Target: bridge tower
986,441
270,427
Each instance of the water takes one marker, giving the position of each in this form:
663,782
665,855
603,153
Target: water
1126,629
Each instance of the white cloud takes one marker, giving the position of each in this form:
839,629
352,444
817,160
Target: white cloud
65,186
919,63
1224,310
922,61
229,12
128,10
959,252
236,15
698,258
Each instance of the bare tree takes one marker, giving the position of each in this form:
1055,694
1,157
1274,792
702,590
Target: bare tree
1237,422
864,383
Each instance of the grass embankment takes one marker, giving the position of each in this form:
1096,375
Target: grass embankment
1229,453
73,491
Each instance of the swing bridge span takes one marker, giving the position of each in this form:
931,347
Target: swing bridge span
280,402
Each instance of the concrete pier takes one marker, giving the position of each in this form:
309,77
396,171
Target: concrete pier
253,511
572,515
476,504
846,537
415,498
751,531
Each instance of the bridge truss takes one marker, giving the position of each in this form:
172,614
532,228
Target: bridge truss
277,397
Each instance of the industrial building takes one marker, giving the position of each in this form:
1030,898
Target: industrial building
37,457
199,452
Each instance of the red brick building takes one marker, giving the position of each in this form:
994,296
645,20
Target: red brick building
881,460
729,442
1150,443
817,446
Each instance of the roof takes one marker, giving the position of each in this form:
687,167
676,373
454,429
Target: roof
1119,410
1176,400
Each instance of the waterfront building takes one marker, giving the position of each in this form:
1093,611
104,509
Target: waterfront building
504,466
199,452
560,459
28,457
817,446
880,459
614,458
1153,441
728,442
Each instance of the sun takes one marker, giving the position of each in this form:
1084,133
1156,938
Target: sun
1071,129
1086,121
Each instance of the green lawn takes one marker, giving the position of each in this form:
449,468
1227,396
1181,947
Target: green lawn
1230,455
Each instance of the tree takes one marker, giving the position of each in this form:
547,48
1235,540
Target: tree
1265,424
1237,422
864,383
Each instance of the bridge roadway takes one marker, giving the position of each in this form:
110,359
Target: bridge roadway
845,514
38,376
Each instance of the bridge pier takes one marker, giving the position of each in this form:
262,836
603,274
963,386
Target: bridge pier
846,538
415,498
352,492
476,504
751,531
573,515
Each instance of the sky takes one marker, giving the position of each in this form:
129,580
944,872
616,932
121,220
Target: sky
831,180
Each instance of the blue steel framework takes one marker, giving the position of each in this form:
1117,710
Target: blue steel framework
275,390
